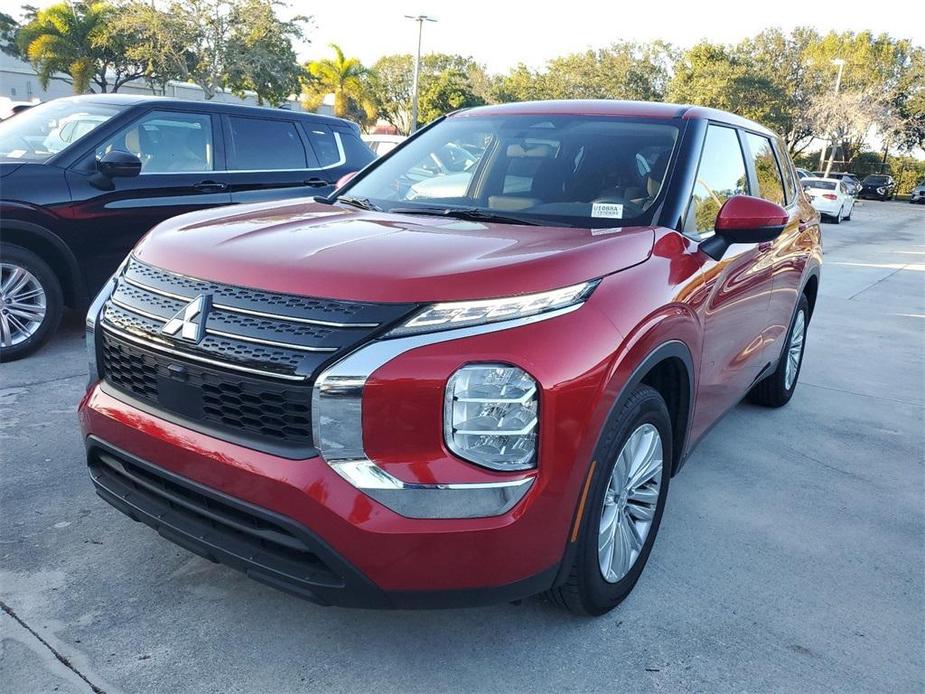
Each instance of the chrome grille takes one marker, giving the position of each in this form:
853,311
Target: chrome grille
280,335
250,375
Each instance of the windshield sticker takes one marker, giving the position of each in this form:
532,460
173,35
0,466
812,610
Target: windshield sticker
610,210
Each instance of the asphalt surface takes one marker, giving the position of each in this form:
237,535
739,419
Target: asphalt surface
791,556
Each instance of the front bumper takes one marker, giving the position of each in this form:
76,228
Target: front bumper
266,546
383,553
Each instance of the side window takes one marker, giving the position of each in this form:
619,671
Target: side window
263,145
328,145
770,183
721,175
166,142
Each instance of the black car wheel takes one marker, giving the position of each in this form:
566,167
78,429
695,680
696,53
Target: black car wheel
30,302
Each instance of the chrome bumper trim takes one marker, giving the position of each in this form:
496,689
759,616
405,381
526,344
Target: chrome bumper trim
337,432
447,500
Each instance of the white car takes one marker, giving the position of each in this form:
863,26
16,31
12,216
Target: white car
383,144
830,196
71,129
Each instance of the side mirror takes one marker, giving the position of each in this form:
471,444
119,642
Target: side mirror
117,164
745,219
345,179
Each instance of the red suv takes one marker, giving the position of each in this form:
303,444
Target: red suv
470,373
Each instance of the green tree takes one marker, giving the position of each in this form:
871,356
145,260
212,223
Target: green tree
165,40
447,82
447,91
781,60
712,75
625,70
78,39
260,53
345,78
8,29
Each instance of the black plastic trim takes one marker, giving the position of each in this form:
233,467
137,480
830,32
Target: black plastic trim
353,589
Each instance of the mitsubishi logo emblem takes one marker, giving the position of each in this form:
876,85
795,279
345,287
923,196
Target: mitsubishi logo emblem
190,321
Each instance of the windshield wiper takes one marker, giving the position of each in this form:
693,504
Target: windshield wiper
473,214
362,203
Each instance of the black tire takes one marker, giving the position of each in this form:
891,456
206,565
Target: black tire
54,302
848,218
585,592
837,218
772,391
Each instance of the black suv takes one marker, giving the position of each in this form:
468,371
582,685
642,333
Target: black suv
878,187
82,178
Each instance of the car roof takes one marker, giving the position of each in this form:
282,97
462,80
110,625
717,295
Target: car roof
218,106
608,107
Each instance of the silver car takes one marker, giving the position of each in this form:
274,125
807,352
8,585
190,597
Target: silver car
918,194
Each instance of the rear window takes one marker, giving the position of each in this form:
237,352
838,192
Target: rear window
820,185
262,145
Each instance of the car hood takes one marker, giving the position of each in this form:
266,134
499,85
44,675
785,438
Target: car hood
328,251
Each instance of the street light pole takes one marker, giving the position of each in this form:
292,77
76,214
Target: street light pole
841,66
420,19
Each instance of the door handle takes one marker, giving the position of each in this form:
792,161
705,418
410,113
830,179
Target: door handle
316,182
210,187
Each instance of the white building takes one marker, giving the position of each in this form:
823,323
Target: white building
19,82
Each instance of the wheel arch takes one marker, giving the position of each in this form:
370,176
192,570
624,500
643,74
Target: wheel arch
811,290
53,251
670,365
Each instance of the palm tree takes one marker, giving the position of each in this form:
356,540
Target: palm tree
344,77
80,38
66,38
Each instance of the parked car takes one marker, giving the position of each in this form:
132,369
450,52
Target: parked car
918,194
383,144
83,178
803,173
373,401
878,187
830,197
854,184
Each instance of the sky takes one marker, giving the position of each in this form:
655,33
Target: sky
502,34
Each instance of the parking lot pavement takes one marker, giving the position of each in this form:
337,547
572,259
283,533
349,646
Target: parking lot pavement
790,558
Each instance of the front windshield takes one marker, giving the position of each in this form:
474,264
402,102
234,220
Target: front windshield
554,170
876,180
39,133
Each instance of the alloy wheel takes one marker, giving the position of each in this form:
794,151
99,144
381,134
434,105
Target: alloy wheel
23,304
795,350
629,503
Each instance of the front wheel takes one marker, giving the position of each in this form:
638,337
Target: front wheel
623,507
777,389
30,302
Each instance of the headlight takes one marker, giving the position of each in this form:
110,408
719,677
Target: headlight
490,416
881,190
461,314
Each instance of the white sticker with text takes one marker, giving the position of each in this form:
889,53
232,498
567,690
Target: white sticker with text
611,210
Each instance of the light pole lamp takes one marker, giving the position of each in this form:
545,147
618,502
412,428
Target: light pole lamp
420,19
